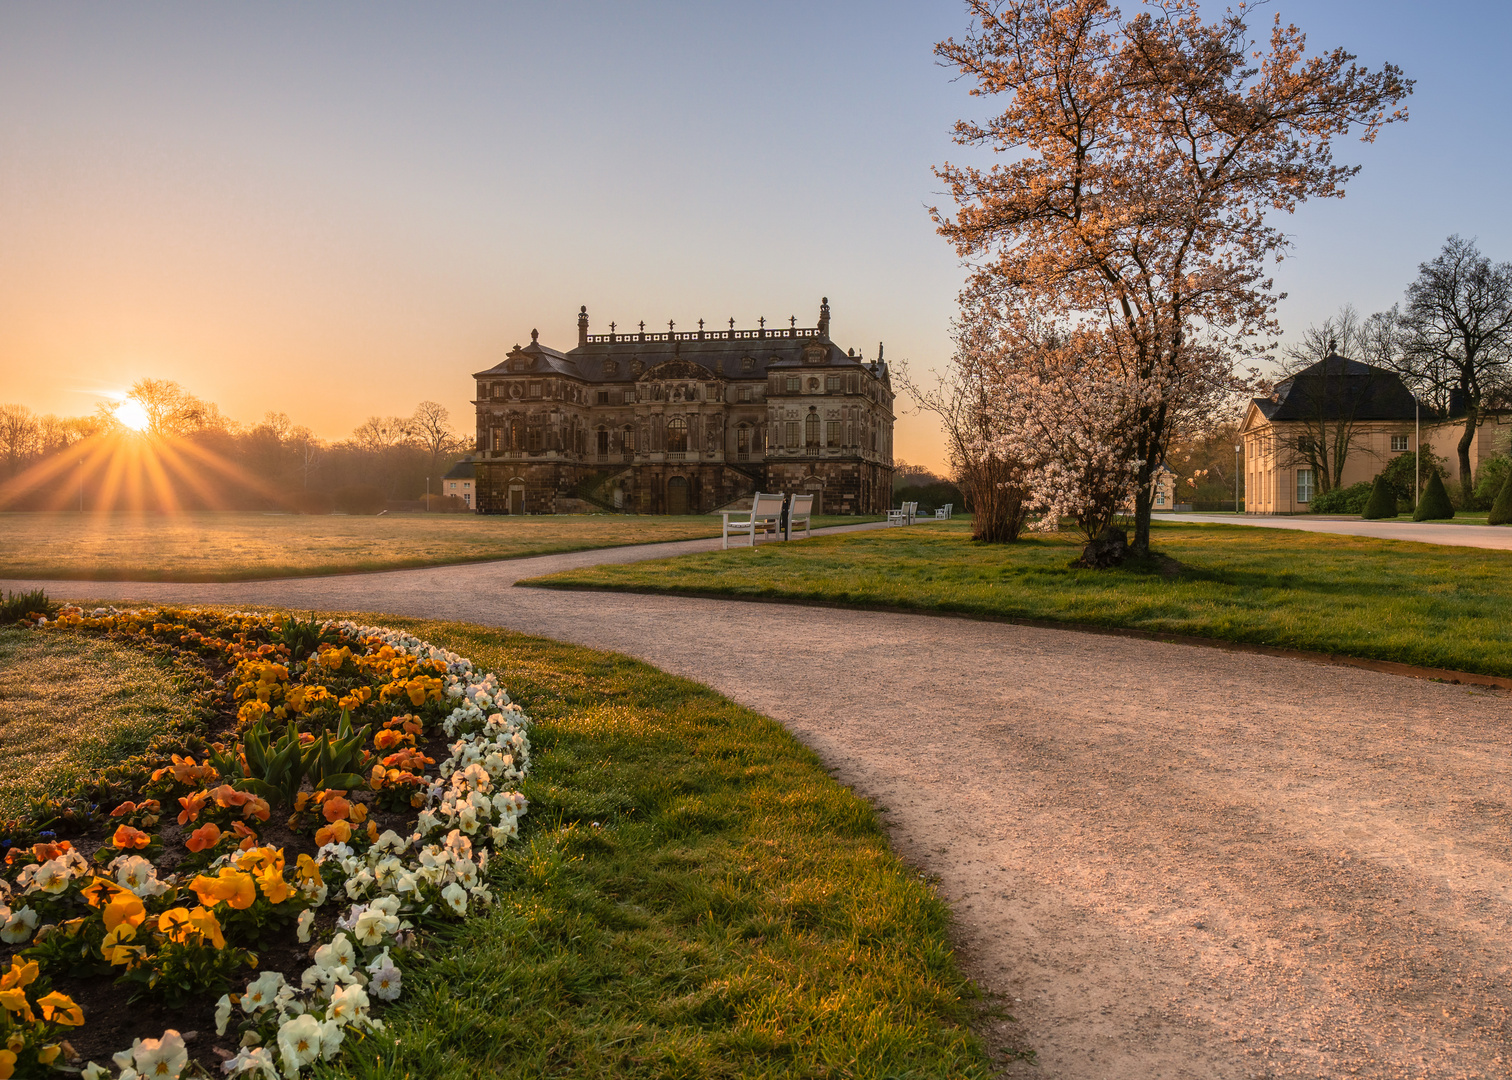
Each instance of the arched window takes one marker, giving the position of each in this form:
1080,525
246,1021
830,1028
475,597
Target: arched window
677,435
811,429
515,435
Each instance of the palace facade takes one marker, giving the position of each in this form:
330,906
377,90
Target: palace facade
684,422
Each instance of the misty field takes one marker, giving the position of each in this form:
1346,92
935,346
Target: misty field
232,546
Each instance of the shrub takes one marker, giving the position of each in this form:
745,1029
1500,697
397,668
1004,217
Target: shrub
1350,500
1401,473
359,499
1501,508
17,606
1435,504
310,502
1489,480
1382,502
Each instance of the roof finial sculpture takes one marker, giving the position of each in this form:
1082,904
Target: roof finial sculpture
583,326
824,317
534,334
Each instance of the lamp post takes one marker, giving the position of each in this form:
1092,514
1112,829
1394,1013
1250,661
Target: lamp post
1237,448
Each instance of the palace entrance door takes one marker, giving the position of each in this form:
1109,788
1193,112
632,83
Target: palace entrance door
677,495
516,500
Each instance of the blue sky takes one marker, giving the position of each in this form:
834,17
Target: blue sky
338,210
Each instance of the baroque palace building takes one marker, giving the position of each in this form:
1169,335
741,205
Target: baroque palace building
684,422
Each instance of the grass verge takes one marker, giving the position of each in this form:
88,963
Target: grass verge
695,897
234,546
70,705
1413,603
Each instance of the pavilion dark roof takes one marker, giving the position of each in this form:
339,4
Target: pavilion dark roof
1339,388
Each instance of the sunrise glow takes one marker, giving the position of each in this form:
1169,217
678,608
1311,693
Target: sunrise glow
132,415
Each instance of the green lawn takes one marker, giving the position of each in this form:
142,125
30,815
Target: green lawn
69,705
230,546
695,897
1380,599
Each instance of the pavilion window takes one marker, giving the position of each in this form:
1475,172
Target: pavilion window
832,384
794,384
811,429
790,437
832,433
1304,485
1399,444
677,435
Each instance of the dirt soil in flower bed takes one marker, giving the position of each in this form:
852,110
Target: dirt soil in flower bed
112,1018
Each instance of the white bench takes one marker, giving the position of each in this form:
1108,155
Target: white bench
800,509
765,512
903,516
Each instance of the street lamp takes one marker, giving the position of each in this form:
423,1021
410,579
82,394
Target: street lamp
1237,447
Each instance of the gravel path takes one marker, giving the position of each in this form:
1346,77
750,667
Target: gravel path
1495,537
1171,861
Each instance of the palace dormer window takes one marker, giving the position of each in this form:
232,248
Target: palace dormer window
636,367
611,367
748,364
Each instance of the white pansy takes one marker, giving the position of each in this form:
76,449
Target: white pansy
299,1041
385,983
455,898
19,926
222,1014
262,992
252,1061
338,953
302,926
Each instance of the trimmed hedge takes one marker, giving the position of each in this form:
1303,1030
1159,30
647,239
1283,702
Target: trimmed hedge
1501,507
1382,502
1435,504
1350,500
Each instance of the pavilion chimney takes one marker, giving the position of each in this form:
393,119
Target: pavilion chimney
824,317
582,326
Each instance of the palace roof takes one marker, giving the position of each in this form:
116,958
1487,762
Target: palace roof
1335,388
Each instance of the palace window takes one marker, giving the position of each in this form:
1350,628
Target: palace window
832,433
811,429
1399,444
794,384
627,441
790,438
832,384
535,389
534,432
850,384
603,397
1304,485
677,435
630,396
745,393
743,442
496,439
603,440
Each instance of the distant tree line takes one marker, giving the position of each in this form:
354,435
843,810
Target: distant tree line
202,459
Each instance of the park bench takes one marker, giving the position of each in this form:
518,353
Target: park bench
943,513
904,515
800,509
764,515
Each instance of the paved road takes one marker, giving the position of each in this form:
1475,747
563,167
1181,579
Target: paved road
1172,861
1496,537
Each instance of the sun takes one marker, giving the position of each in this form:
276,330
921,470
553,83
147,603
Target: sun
131,413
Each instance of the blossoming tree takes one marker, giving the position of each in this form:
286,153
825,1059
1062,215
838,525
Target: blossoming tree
1143,154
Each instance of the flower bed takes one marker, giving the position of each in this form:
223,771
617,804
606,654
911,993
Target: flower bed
264,876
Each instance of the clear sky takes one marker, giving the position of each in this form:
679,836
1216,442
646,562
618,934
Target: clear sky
337,210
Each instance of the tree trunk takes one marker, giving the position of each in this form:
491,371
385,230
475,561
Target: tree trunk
1140,548
1467,482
